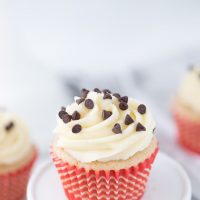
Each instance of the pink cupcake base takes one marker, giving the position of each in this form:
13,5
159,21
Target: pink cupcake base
80,184
13,185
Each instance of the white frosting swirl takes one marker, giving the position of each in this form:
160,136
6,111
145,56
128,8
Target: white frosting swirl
15,142
189,91
96,141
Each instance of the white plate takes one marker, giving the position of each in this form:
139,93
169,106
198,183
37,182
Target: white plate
168,180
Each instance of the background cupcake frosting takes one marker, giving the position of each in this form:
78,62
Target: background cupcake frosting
15,141
188,92
97,141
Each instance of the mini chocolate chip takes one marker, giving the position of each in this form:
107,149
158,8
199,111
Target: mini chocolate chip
79,101
191,67
66,118
117,95
140,127
117,128
106,91
76,115
142,109
61,113
107,96
106,114
123,105
84,93
9,126
97,90
124,99
76,128
128,120
154,130
63,108
89,103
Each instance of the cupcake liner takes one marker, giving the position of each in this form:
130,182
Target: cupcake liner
82,184
13,184
188,131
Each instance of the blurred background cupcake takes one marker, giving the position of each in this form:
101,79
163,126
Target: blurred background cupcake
17,156
104,146
186,110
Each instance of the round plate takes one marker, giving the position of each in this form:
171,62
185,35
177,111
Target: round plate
168,180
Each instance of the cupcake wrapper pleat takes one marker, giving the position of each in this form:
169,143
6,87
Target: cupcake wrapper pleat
13,184
81,184
188,132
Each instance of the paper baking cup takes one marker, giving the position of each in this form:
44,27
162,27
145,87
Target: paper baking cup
81,184
188,132
13,184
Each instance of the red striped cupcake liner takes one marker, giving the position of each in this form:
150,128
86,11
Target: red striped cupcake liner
82,184
13,184
188,131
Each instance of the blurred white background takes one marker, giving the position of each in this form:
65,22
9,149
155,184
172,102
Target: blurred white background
48,48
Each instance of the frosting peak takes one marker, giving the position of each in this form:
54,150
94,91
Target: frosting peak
101,126
189,90
14,139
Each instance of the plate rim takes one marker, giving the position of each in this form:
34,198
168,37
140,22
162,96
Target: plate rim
48,163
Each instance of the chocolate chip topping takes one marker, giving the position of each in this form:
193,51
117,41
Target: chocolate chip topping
79,101
61,113
154,130
63,108
117,128
9,126
117,95
106,114
123,105
76,128
124,99
97,90
106,91
76,115
140,127
89,103
66,118
142,109
107,96
128,120
84,93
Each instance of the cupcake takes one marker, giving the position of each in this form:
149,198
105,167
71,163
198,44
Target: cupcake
17,156
186,110
104,146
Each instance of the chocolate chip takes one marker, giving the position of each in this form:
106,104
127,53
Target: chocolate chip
61,113
117,95
76,115
106,114
106,91
124,99
84,93
142,109
107,96
9,126
117,128
140,127
76,128
89,103
79,101
63,108
154,130
97,90
191,67
128,120
123,105
66,118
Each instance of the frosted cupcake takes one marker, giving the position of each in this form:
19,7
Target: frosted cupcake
104,146
17,156
186,110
